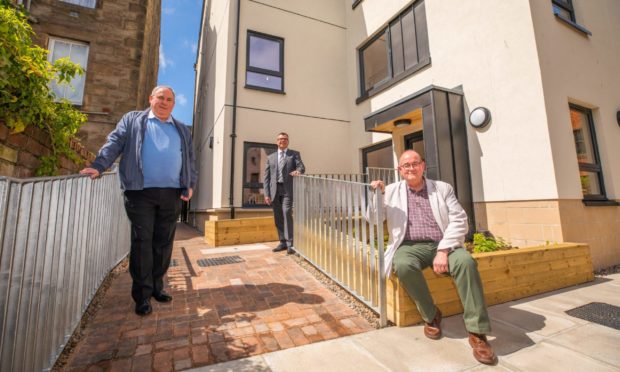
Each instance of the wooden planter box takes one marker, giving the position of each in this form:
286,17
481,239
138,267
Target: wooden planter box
240,231
506,276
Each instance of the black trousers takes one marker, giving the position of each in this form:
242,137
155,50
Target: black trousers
153,213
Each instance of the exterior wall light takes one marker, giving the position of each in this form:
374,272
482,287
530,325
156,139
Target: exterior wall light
480,117
401,123
618,117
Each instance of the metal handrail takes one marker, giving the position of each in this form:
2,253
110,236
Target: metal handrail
334,233
59,238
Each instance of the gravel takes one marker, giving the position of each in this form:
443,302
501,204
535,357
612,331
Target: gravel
608,271
340,292
89,315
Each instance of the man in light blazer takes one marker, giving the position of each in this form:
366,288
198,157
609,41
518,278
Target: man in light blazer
427,227
281,166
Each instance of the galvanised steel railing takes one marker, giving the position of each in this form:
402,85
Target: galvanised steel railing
387,175
332,233
59,238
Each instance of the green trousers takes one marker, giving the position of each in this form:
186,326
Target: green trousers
413,257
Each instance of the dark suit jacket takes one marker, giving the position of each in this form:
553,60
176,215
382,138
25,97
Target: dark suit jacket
270,179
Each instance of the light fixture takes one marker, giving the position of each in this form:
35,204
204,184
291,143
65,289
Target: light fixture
479,117
401,123
618,117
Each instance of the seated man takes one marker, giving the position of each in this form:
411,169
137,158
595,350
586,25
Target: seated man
427,226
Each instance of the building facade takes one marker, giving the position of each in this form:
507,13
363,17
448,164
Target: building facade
117,44
513,103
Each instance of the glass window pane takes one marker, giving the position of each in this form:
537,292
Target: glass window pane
84,3
398,63
79,55
75,90
582,136
60,49
381,158
253,197
255,162
589,183
375,59
264,53
263,80
409,40
562,12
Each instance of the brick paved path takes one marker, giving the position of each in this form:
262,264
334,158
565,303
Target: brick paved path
219,313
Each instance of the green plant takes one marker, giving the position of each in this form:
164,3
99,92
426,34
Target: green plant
484,243
25,96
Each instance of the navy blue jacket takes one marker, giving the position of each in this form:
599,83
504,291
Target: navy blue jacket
127,139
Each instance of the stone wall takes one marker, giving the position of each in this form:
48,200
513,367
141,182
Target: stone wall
20,153
123,39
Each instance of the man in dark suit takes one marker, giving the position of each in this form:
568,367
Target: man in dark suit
282,165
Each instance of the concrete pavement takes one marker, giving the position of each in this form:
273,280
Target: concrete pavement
533,334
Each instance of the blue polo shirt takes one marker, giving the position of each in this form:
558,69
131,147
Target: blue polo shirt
161,154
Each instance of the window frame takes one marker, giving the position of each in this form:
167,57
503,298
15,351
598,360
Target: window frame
595,167
258,70
567,5
246,183
372,148
422,52
76,3
51,44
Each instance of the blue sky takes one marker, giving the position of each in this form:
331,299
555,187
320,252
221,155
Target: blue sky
180,20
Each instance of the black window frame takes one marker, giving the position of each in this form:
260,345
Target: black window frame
596,167
247,184
567,5
248,68
422,51
374,147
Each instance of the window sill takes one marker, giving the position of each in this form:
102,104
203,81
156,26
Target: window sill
600,203
380,88
574,25
264,89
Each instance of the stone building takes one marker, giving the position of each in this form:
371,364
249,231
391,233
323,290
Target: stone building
356,82
117,44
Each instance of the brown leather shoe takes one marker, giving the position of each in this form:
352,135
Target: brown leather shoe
482,350
432,330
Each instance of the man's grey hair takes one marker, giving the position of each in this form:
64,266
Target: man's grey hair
163,87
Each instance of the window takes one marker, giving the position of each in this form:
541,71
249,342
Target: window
254,162
84,3
380,155
565,12
397,51
77,53
590,170
564,8
265,62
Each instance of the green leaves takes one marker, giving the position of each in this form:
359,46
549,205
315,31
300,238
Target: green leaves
25,96
488,244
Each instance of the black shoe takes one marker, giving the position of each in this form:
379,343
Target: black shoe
290,250
162,297
144,308
280,247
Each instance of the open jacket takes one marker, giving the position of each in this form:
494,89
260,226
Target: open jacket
448,213
127,140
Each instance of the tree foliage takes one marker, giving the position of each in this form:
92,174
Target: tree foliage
25,96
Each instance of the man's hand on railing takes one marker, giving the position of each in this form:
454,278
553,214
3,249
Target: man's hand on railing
295,173
378,184
92,172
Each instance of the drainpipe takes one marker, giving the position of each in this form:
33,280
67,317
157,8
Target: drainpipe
233,134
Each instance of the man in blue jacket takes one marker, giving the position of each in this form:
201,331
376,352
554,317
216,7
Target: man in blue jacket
156,170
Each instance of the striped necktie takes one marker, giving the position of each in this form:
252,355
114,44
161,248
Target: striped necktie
281,166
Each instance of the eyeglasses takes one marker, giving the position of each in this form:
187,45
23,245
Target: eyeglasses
415,164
